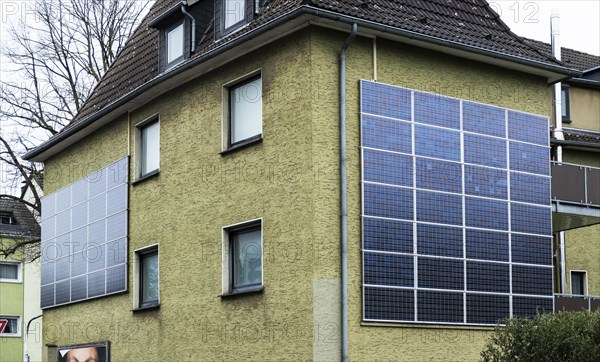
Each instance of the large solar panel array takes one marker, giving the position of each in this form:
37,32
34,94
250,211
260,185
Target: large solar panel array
456,212
84,238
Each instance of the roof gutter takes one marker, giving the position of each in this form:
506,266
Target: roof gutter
585,82
575,144
37,153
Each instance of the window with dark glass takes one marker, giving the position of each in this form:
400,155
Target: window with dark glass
148,278
7,218
245,257
578,282
9,326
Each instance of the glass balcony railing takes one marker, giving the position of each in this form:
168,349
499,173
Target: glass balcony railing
575,303
575,184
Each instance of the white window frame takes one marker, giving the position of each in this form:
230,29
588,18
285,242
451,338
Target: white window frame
227,284
585,281
18,334
19,272
137,270
139,149
226,117
169,64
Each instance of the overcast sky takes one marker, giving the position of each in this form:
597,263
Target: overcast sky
579,21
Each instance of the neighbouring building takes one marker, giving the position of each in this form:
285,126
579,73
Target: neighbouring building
576,184
19,284
292,180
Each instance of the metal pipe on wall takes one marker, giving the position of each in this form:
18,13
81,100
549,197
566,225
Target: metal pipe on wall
343,193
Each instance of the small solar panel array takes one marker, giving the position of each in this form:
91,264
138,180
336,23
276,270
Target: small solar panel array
84,238
456,219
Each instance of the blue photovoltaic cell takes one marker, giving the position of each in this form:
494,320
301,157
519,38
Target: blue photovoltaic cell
474,243
532,280
80,223
485,151
436,110
440,273
440,307
529,158
531,219
488,214
388,269
387,235
483,119
528,128
389,304
486,308
384,100
487,245
439,175
388,201
386,134
529,307
437,142
439,240
486,181
531,249
439,208
388,168
487,277
529,188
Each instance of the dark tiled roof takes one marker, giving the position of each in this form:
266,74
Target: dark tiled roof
581,136
571,58
470,23
26,226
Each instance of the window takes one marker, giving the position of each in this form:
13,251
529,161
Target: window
149,148
174,39
578,282
10,326
242,269
7,218
566,104
10,272
245,112
231,15
234,12
148,294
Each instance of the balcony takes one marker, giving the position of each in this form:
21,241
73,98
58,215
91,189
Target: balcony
575,303
575,196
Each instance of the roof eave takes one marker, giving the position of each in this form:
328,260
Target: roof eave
134,99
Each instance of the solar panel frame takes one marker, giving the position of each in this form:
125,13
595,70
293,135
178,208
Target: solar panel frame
494,182
82,221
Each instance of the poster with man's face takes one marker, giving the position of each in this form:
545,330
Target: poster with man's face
94,352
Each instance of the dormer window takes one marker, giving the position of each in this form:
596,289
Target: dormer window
174,39
7,218
233,14
235,11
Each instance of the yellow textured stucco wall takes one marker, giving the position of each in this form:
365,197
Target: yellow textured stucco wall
585,108
407,66
183,209
291,180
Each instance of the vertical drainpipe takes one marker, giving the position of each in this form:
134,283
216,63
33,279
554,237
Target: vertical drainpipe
343,193
193,30
558,134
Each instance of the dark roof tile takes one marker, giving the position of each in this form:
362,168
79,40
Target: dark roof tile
570,57
26,225
469,22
